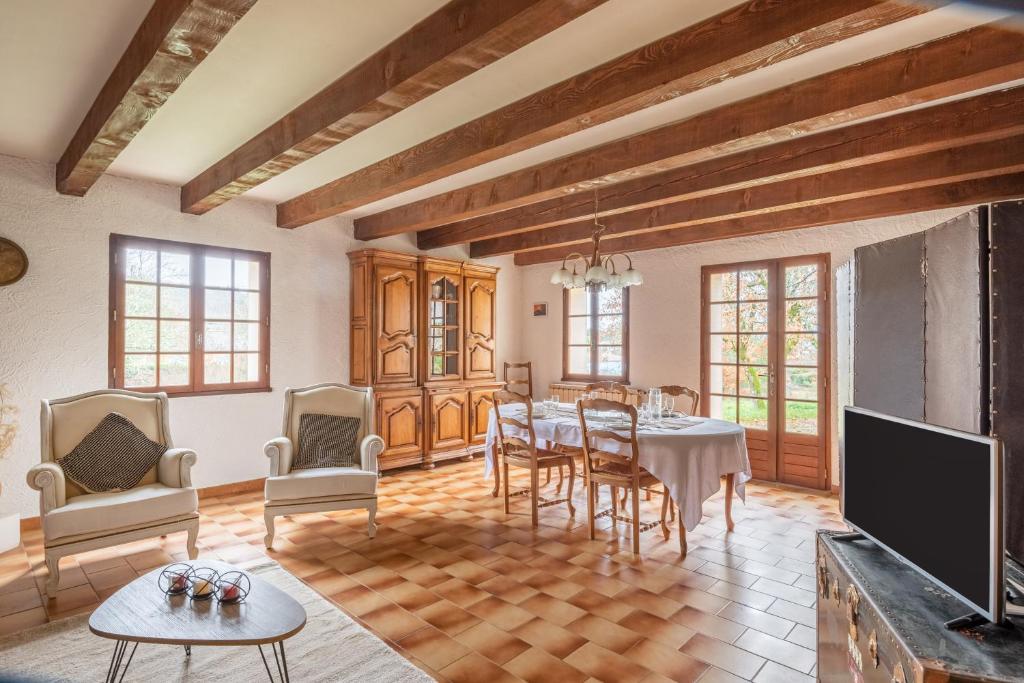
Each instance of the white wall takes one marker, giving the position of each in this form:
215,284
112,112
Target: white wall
53,323
665,310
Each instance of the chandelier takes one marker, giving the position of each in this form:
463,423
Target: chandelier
599,271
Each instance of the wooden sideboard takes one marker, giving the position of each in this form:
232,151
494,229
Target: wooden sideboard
422,334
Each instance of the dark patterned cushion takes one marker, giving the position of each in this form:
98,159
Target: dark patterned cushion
326,441
112,457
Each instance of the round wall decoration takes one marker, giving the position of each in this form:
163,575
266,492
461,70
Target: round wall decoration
13,262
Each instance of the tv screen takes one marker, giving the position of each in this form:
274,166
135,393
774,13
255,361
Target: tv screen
932,497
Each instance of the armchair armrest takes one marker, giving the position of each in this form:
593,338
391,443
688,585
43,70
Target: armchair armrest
369,449
279,451
48,479
174,467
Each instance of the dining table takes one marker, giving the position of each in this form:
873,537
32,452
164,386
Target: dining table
688,454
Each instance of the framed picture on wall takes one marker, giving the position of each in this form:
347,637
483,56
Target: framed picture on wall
540,310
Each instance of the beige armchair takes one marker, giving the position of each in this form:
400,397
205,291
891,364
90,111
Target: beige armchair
75,520
289,491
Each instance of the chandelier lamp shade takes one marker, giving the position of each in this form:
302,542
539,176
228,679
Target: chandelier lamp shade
599,271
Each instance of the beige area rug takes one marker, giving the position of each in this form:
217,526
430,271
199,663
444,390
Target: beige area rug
331,647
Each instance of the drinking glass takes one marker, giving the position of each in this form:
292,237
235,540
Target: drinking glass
554,403
654,404
667,404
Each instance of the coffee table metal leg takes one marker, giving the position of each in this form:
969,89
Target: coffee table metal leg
280,660
284,663
120,647
188,650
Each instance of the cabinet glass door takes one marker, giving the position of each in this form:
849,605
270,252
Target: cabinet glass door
443,341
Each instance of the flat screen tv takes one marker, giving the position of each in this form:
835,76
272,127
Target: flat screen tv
932,497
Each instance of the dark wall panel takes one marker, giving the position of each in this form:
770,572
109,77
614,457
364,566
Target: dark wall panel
1006,234
889,323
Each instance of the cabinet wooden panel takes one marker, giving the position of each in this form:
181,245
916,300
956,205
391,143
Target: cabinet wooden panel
448,417
481,305
400,424
395,315
481,401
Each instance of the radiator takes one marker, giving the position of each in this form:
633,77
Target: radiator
569,392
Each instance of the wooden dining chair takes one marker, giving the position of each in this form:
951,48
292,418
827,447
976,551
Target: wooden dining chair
519,452
618,470
686,392
523,382
609,387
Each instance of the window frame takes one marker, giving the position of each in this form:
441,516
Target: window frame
594,315
197,285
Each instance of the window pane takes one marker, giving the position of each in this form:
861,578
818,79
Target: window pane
723,379
218,271
754,413
140,300
247,306
247,336
722,318
218,304
802,349
451,313
753,349
723,287
610,300
723,348
753,381
140,371
174,302
579,302
247,274
173,370
175,268
140,264
753,284
451,290
579,330
802,315
217,337
609,329
451,340
139,335
579,360
723,408
753,317
609,361
173,337
216,368
247,367
802,281
802,383
801,418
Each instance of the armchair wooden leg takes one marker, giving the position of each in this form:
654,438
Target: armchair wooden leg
636,519
535,494
268,540
190,544
568,494
53,575
371,525
591,504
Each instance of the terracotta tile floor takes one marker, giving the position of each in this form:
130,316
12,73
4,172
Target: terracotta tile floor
469,594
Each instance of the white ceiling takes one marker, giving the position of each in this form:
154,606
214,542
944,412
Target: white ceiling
56,54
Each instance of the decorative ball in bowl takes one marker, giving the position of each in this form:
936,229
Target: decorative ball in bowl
175,579
233,587
204,583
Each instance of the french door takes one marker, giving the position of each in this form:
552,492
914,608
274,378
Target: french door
765,362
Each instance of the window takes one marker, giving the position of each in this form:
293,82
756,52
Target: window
596,335
187,318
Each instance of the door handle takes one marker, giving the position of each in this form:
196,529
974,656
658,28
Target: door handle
771,380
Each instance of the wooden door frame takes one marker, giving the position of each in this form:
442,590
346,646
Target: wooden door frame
776,301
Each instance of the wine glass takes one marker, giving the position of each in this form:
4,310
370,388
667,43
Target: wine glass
553,400
667,404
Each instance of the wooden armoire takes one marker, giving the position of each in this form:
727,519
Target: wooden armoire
423,336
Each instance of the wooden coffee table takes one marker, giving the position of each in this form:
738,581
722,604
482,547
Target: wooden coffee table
141,613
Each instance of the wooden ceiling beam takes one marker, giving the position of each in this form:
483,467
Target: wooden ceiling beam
453,42
740,40
946,196
997,157
172,40
954,65
984,117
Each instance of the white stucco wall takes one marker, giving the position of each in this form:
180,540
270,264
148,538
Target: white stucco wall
53,323
665,310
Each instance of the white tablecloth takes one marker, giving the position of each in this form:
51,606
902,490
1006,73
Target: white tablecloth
689,459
